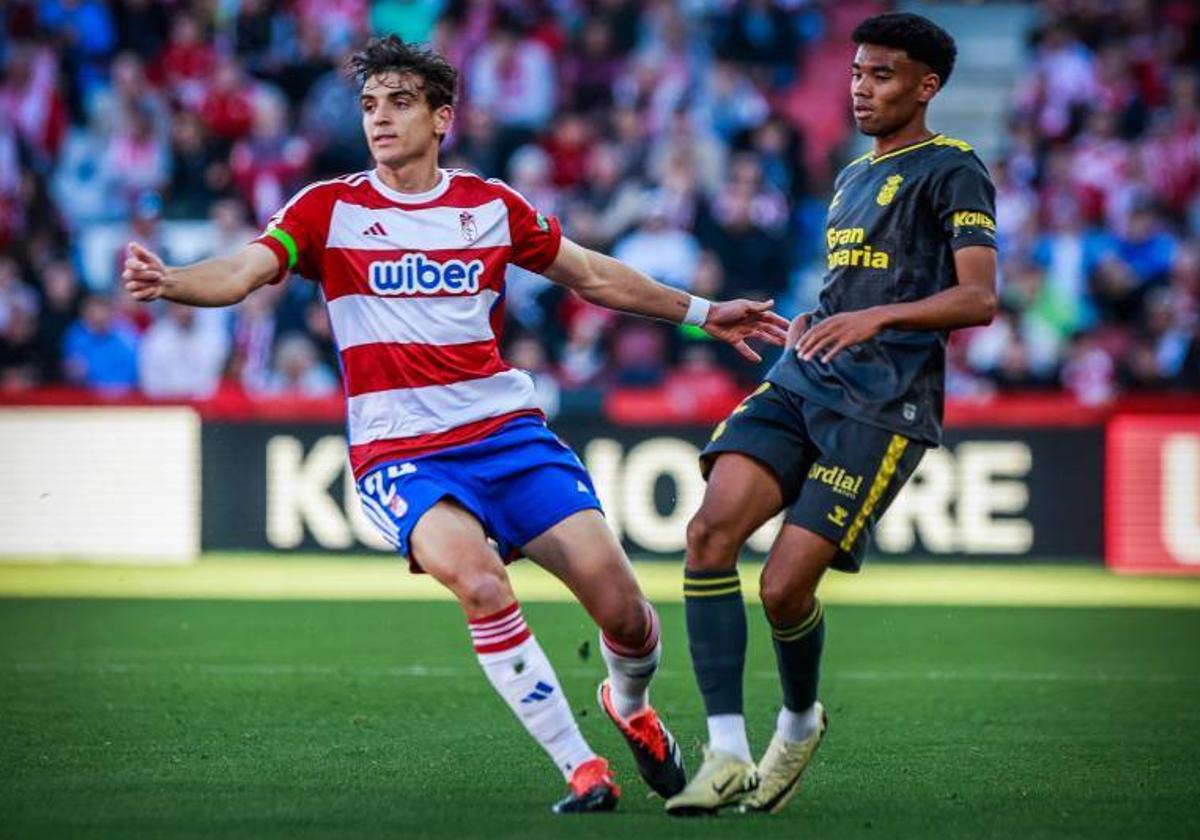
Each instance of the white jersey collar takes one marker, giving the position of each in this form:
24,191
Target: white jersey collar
437,191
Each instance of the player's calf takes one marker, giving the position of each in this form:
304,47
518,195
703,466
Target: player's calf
625,699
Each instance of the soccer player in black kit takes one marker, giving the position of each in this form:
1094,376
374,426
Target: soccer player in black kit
846,413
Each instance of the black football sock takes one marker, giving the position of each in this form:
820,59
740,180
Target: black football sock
716,624
798,652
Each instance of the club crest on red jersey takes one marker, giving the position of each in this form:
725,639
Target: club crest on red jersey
466,222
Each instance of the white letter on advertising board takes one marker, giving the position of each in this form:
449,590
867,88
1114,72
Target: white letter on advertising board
297,492
923,505
646,463
983,493
1181,497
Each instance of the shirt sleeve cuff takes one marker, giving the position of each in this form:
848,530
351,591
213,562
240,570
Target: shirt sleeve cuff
279,247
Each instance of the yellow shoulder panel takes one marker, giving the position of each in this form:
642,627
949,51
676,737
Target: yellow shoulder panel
961,145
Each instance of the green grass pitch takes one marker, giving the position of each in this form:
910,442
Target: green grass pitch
188,718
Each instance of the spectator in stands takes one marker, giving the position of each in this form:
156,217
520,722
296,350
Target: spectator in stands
591,68
1089,373
298,370
1063,82
780,153
582,360
178,358
727,103
228,103
758,32
30,100
199,172
529,172
568,146
639,354
332,123
254,338
342,22
87,35
188,62
19,361
476,147
666,253
231,230
268,164
512,76
137,158
59,309
297,74
100,350
15,294
606,204
253,34
20,366
142,26
12,215
129,92
684,138
755,259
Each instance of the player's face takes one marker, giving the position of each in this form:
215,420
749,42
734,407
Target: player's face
397,120
888,89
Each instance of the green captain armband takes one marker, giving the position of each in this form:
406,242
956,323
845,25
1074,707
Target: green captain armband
285,239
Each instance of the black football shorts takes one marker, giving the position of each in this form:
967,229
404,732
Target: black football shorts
838,475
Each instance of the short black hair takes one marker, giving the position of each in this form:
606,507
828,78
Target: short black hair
918,36
439,79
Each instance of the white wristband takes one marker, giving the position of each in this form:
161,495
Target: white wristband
697,311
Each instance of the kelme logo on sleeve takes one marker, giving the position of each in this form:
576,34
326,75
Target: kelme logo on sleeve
972,219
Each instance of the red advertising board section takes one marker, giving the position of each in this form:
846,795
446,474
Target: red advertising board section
1152,494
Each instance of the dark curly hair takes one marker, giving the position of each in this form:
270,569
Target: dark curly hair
439,79
921,38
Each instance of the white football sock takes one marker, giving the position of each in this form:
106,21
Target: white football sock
518,669
630,671
796,726
727,734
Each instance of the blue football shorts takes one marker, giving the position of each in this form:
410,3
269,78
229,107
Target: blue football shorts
518,482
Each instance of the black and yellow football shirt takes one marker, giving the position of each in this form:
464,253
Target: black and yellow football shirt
894,223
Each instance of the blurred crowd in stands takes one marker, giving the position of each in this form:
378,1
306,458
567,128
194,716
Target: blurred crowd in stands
693,139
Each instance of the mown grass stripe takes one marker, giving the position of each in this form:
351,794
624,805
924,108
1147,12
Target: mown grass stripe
309,577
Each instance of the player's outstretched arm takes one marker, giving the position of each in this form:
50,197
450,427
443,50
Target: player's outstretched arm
220,281
610,283
970,303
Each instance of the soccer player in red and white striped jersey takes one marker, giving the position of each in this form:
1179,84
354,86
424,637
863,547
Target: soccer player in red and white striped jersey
446,442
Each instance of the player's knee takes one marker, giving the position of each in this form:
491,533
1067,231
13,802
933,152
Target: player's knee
482,591
711,544
785,597
629,622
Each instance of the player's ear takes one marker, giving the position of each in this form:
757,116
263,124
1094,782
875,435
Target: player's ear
931,83
443,119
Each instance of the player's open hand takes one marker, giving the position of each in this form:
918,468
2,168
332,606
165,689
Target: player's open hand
796,329
837,332
144,273
738,321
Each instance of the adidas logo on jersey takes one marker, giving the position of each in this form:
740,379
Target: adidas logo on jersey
415,274
376,229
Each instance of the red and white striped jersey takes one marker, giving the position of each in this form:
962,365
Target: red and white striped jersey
415,289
